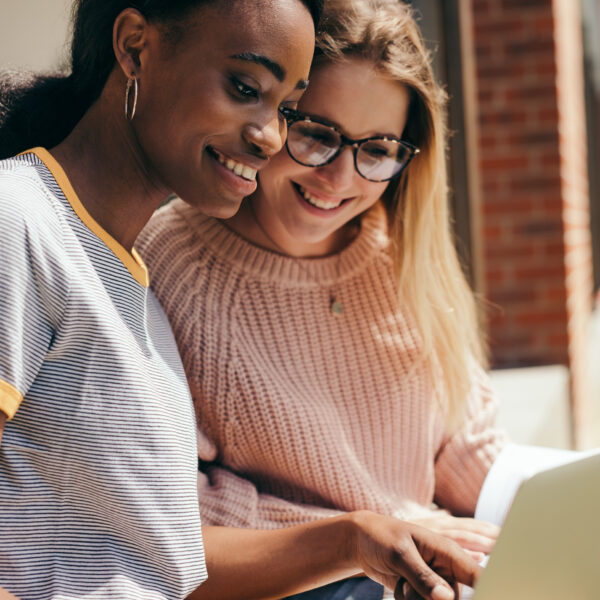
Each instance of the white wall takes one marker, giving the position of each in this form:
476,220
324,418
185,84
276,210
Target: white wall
34,33
534,405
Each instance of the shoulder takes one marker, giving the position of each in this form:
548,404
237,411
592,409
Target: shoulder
21,180
172,229
178,246
27,205
32,238
164,243
179,240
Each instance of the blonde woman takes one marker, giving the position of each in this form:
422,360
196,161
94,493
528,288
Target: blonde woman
329,336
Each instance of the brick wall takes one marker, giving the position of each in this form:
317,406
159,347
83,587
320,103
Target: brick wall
535,204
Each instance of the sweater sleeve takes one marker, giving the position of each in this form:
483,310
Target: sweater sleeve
465,458
228,499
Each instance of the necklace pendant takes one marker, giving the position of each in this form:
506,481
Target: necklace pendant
336,307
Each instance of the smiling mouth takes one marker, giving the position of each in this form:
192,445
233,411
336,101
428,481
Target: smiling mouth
237,168
319,202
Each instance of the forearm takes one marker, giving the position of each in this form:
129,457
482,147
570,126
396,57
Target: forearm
466,457
262,565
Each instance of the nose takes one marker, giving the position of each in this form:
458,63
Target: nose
339,173
267,138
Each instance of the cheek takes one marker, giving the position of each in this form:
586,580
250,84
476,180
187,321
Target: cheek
280,171
371,193
283,165
201,106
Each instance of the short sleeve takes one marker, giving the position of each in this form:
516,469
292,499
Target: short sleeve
32,286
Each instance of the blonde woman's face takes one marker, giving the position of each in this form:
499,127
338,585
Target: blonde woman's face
304,209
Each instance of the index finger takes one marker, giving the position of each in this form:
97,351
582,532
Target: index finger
477,526
421,578
410,594
447,558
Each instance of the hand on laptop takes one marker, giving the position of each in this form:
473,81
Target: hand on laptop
413,560
476,537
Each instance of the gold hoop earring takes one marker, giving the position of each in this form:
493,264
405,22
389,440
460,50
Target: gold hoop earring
131,82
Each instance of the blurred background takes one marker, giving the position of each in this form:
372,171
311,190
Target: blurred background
523,77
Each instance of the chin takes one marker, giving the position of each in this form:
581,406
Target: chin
223,212
219,208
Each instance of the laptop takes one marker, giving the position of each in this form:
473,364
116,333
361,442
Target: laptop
549,545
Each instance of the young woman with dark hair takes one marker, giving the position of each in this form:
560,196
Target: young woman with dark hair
98,464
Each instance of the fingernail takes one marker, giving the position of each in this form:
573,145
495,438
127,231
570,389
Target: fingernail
441,592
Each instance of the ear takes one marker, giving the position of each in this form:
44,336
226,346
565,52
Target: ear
130,38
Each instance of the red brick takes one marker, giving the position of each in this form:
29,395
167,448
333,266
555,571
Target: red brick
492,73
553,272
502,163
481,7
539,227
522,5
548,115
495,276
535,138
530,318
536,184
518,50
544,24
515,296
512,27
518,251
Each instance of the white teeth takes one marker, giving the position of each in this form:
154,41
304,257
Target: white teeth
318,202
239,169
248,173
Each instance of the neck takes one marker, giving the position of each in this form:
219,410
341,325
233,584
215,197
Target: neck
107,170
249,222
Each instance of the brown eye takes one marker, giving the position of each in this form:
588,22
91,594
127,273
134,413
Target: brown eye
243,90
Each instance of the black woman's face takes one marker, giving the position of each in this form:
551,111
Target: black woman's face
208,109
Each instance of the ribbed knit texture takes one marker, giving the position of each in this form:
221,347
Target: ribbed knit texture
303,413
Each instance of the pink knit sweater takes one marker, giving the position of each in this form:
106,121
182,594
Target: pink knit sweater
303,413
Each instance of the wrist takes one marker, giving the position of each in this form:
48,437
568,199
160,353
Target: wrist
355,526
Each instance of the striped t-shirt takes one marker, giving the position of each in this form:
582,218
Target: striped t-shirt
98,463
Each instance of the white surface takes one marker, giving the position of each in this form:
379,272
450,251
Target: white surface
515,464
33,33
534,405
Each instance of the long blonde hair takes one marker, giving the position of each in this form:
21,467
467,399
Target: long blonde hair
430,279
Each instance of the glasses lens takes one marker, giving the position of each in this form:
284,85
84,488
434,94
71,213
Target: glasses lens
312,144
379,160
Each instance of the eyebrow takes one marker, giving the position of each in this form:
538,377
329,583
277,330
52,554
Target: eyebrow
335,125
275,68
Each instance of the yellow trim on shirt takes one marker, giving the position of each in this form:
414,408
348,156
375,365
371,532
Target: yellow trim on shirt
10,399
132,261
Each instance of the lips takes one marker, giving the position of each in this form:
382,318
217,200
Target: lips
319,201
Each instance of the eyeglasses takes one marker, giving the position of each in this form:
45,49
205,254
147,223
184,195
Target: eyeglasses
313,143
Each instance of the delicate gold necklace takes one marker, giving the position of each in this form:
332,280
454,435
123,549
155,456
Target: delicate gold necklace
336,307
